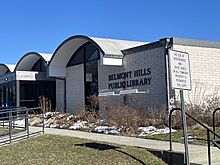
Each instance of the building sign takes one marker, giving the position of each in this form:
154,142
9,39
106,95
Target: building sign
30,76
127,79
179,70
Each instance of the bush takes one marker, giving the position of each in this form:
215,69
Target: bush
45,104
202,112
129,118
126,118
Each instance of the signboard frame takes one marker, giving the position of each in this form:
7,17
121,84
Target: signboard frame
173,86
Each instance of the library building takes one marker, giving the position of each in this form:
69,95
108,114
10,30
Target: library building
125,72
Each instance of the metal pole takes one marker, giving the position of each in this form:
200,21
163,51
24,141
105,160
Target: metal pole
213,119
10,126
26,122
170,128
186,161
4,114
43,120
209,149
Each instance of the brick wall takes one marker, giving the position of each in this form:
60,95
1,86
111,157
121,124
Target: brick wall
205,72
152,58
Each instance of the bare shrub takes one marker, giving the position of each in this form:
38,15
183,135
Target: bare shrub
85,115
198,95
201,104
123,117
127,118
213,103
203,112
177,120
93,105
45,104
89,113
157,117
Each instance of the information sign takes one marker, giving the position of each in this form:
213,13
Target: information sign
179,70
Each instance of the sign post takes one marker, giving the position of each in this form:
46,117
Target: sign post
181,79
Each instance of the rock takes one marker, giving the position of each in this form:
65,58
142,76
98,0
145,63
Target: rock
35,121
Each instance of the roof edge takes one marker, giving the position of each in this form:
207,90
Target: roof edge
192,42
27,54
74,37
148,46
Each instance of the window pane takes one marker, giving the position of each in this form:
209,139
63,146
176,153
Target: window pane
77,57
94,55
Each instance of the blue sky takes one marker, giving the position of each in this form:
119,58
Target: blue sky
41,25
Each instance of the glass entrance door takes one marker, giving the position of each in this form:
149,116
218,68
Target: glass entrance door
91,80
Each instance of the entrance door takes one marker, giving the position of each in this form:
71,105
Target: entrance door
91,80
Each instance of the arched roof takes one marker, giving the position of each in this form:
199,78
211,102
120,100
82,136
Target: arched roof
5,68
28,60
108,47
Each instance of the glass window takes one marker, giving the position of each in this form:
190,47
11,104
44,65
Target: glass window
94,55
77,57
39,66
88,51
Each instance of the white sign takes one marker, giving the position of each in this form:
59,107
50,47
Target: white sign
179,70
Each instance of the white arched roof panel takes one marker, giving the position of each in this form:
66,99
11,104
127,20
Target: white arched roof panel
63,53
113,47
5,68
28,60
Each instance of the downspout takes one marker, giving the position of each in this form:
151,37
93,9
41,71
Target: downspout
167,45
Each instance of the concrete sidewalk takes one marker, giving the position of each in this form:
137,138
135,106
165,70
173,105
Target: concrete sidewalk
198,153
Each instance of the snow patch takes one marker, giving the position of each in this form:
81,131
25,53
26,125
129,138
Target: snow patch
151,130
20,123
79,125
107,130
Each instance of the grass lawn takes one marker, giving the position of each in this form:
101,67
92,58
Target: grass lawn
178,136
59,150
5,131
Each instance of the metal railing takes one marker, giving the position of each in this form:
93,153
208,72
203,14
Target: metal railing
13,130
209,131
213,119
